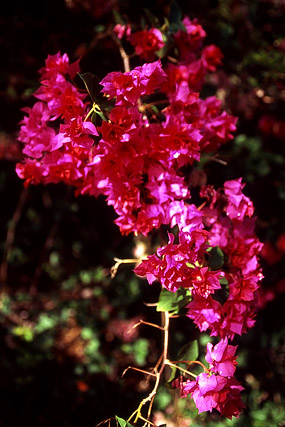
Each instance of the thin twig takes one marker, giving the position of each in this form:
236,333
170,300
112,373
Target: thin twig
124,55
201,206
175,61
150,407
192,362
163,358
10,237
104,422
217,160
151,304
119,261
148,421
167,362
142,322
139,370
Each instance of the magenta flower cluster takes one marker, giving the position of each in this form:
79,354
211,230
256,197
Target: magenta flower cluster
137,159
225,222
216,388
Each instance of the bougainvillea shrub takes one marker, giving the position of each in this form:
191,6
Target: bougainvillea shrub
139,138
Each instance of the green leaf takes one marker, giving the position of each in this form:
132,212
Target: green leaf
87,333
175,14
91,82
216,258
5,304
100,114
221,295
153,20
117,17
140,349
163,398
45,323
24,332
168,44
94,118
155,109
189,351
173,375
175,18
99,28
190,265
143,22
223,281
173,301
122,423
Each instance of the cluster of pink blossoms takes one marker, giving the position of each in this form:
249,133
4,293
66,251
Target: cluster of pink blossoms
54,155
223,224
216,388
136,159
226,223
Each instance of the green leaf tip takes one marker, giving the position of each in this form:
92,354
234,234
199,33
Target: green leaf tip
122,423
173,301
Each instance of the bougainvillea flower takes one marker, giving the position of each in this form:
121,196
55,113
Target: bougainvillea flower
221,358
212,57
35,132
146,43
214,392
190,40
122,30
130,86
76,132
206,313
238,205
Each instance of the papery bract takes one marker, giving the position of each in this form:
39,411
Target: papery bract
238,204
130,86
212,57
214,392
122,30
221,358
189,40
147,42
205,312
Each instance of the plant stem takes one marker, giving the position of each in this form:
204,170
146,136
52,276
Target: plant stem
157,373
10,237
167,362
124,55
115,267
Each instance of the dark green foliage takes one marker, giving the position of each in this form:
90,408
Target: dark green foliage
122,423
175,18
173,301
91,83
216,258
189,351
